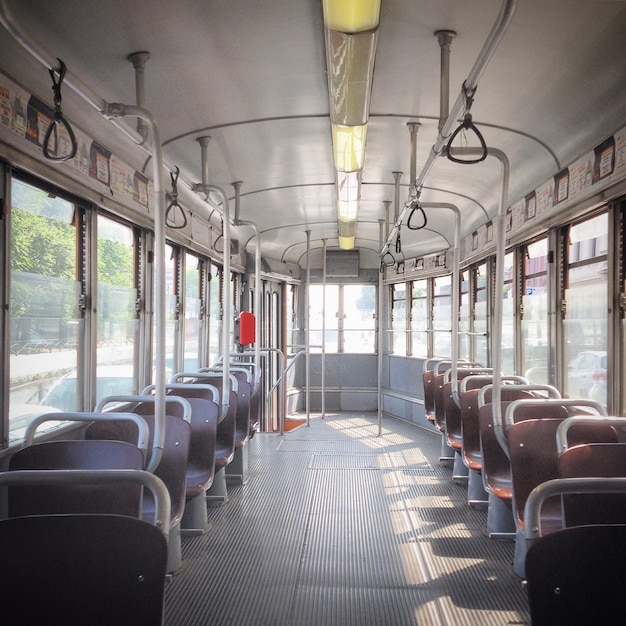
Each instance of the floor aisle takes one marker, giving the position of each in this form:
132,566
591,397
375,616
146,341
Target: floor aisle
340,527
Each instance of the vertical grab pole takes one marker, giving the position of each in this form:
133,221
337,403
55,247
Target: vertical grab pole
113,110
456,282
496,330
307,331
379,332
323,374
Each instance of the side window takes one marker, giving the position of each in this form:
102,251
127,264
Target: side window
398,319
45,326
585,317
442,316
535,348
117,322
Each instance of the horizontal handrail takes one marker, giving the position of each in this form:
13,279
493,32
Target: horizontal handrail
98,477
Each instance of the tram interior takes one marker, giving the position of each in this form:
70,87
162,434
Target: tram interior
325,300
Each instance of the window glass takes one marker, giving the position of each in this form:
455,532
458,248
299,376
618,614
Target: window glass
398,319
359,327
419,318
117,320
535,317
480,339
192,314
442,315
586,311
345,315
291,314
508,321
324,316
45,327
214,315
464,316
171,307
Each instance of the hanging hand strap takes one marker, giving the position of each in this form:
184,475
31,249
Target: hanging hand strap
173,205
467,124
51,138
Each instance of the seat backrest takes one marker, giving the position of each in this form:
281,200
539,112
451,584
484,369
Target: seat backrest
438,391
83,569
452,417
535,457
470,434
428,379
495,462
203,436
76,498
172,468
576,575
239,407
587,460
227,427
244,393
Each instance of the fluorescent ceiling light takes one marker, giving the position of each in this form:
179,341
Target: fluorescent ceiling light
348,186
349,147
347,211
346,243
350,63
351,16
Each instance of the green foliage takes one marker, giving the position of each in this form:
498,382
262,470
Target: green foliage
115,263
41,245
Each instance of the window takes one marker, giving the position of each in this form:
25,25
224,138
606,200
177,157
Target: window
465,317
481,312
117,321
349,324
535,313
442,316
172,281
508,316
398,319
192,322
215,315
291,314
419,318
45,326
324,316
359,324
585,320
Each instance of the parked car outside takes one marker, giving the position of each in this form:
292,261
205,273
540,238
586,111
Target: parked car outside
586,375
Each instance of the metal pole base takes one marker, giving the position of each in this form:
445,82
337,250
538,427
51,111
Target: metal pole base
218,493
447,453
237,470
460,471
195,521
500,522
477,497
174,551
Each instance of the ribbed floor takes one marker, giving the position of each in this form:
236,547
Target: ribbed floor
339,527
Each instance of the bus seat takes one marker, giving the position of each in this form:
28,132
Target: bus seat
227,434
576,576
172,468
428,379
76,498
588,460
83,568
534,460
204,403
452,419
